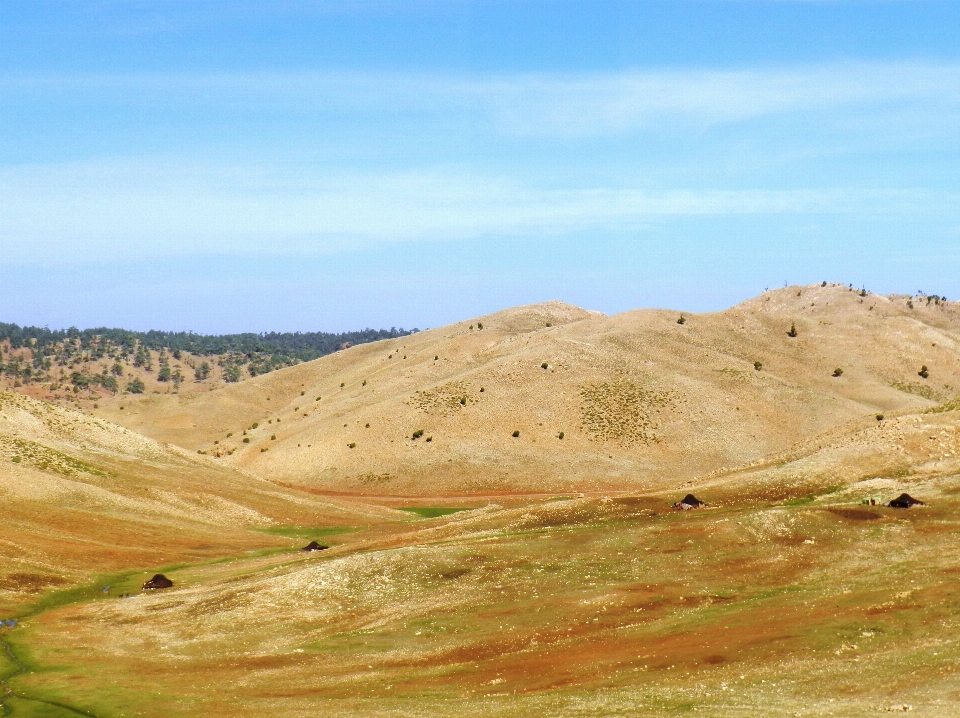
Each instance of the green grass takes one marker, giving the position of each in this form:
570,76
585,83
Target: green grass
305,532
431,512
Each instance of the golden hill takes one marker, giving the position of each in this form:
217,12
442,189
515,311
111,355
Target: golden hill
82,496
642,401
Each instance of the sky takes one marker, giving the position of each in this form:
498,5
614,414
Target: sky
327,165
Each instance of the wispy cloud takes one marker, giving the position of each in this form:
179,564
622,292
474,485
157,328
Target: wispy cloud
174,209
565,105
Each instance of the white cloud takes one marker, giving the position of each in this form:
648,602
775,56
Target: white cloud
565,105
164,208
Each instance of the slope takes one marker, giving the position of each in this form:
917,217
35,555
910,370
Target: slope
641,400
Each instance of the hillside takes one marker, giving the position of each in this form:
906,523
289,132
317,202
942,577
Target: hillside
643,401
82,496
527,575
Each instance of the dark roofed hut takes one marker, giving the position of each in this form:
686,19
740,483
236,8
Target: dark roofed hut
689,502
158,581
905,501
314,546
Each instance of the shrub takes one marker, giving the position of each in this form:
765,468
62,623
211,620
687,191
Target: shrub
758,365
863,292
352,445
367,426
823,284
342,385
481,389
682,320
364,383
923,372
560,435
16,459
255,425
429,438
164,374
273,437
463,401
793,330
136,386
229,434
437,358
318,398
549,324
515,434
879,417
246,440
479,325
838,372
544,365
263,449
302,393
417,434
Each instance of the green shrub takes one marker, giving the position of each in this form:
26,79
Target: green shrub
342,385
479,325
682,320
463,401
429,438
560,435
923,372
263,449
367,426
302,393
417,434
515,434
352,445
549,324
16,459
136,386
758,365
273,437
838,372
879,417
318,398
793,330
255,425
544,365
246,440
229,434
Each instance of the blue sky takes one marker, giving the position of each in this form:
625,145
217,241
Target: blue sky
248,166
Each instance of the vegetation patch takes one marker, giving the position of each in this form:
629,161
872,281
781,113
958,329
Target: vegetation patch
431,512
305,532
44,458
622,411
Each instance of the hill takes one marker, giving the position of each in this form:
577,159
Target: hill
641,400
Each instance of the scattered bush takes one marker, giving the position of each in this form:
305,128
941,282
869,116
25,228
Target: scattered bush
682,320
352,445
367,426
515,434
263,449
879,417
549,324
229,434
823,284
479,325
481,389
560,435
429,438
273,437
793,330
463,401
302,393
923,372
758,365
437,358
863,292
544,365
246,440
255,425
342,385
838,372
417,434
318,398
136,386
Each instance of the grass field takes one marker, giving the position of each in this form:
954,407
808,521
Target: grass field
578,607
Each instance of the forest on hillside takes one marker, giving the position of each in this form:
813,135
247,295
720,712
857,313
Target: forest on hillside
33,354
